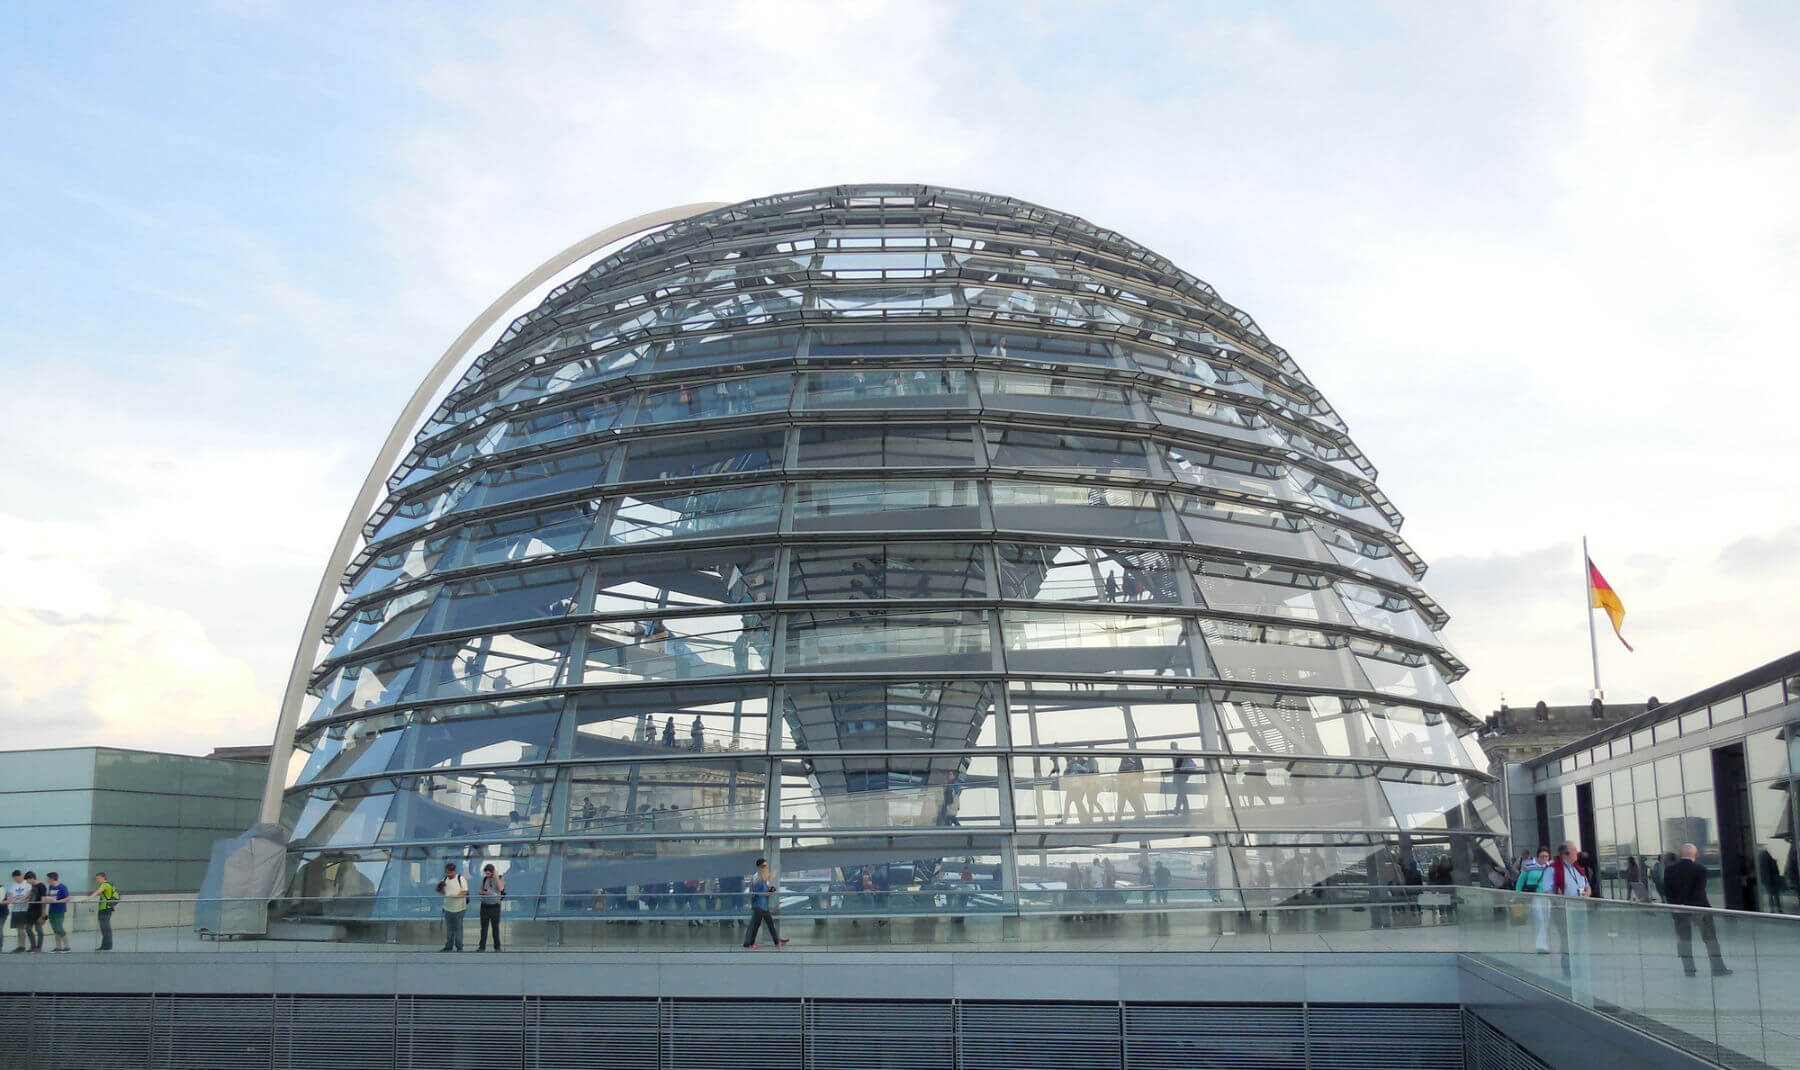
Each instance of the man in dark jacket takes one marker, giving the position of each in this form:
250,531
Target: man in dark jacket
1686,880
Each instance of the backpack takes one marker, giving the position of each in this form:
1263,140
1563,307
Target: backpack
109,896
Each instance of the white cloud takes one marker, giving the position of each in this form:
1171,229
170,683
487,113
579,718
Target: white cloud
78,665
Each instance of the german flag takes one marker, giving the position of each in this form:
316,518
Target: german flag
1602,596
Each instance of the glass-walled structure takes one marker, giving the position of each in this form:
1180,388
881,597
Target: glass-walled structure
1718,769
928,542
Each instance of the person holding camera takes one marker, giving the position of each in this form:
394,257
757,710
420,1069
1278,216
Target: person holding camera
493,890
455,891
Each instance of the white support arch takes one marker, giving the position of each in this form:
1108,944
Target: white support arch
281,753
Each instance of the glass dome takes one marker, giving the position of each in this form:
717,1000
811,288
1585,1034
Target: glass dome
930,543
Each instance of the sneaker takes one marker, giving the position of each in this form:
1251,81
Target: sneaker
1723,973
1690,973
752,947
784,943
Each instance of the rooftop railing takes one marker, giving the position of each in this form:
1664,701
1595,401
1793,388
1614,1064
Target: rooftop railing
1630,961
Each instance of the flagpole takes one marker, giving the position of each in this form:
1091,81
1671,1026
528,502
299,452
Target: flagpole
1587,591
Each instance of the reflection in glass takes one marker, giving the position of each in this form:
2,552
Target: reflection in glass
505,598
699,719
1016,447
1088,574
891,571
1106,644
1305,796
686,456
888,641
901,446
889,505
525,536
1057,395
1084,788
491,664
1268,590
723,576
888,388
676,648
1275,654
939,790
732,510
889,716
1270,723
1048,713
724,397
668,797
1251,528
1068,508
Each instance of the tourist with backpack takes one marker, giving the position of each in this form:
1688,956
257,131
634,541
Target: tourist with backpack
108,898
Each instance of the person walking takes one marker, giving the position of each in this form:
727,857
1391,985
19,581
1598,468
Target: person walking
35,895
1687,888
59,894
1131,786
1636,888
1569,880
1184,769
951,803
18,895
761,887
12,893
1531,879
107,898
493,891
455,891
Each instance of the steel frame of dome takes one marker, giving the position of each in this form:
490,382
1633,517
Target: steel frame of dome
895,531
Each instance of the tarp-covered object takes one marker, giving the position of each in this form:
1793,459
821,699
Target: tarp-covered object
244,874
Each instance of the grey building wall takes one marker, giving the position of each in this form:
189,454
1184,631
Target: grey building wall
148,820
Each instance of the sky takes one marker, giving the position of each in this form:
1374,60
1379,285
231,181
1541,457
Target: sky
1542,258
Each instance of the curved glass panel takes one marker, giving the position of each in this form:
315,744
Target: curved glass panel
1073,509
1108,644
1031,572
889,641
1054,395
698,514
727,397
856,715
676,648
900,446
889,505
891,571
888,389
721,576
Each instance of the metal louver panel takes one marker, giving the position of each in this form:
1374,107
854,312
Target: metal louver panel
1489,1049
80,1031
335,1033
730,1034
1238,1036
1384,1038
473,1033
576,1034
1039,1036
217,1032
854,1035
15,1043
